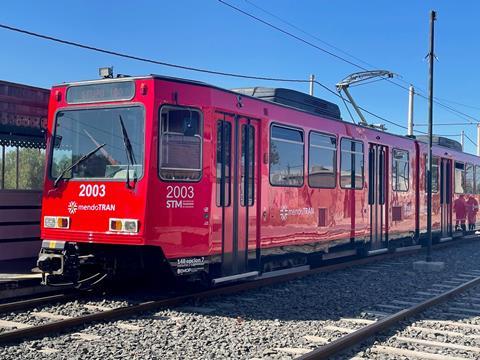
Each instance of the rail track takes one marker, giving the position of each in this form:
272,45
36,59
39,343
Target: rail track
351,332
34,301
54,323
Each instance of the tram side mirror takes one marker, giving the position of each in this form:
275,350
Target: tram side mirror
188,127
57,141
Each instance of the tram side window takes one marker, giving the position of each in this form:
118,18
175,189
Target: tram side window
459,177
400,170
322,161
435,161
180,144
477,179
248,164
469,178
351,164
224,145
286,156
21,168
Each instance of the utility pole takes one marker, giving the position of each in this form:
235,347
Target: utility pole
462,140
431,58
411,94
312,81
478,139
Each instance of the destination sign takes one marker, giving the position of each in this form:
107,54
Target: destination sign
111,91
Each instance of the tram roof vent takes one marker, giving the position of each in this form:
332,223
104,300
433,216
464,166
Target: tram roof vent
294,99
441,141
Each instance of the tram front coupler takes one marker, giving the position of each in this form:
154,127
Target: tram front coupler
59,262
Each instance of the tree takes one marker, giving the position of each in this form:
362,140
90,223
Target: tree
31,165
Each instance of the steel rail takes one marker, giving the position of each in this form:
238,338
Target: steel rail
348,341
22,304
109,315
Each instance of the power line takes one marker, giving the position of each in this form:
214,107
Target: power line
156,62
291,35
449,124
138,58
307,33
438,100
459,103
473,142
448,108
347,61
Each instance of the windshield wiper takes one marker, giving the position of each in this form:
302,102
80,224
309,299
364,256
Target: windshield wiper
83,158
130,155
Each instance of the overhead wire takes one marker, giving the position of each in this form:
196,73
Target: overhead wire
143,59
288,33
448,108
307,33
460,104
184,67
449,124
473,142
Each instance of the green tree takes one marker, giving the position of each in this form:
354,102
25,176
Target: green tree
31,165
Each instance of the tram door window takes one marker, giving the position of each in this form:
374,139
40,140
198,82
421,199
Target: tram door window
224,161
21,168
247,189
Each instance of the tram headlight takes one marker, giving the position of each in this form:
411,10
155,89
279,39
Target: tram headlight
130,226
56,222
63,222
50,222
123,225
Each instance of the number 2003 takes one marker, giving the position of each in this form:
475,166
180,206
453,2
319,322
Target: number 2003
92,190
180,192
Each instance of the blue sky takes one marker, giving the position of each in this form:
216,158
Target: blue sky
206,34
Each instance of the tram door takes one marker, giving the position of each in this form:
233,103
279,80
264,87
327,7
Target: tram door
237,188
445,195
377,195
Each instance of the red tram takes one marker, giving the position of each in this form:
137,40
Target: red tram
163,173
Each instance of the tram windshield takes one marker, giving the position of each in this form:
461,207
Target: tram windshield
77,132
